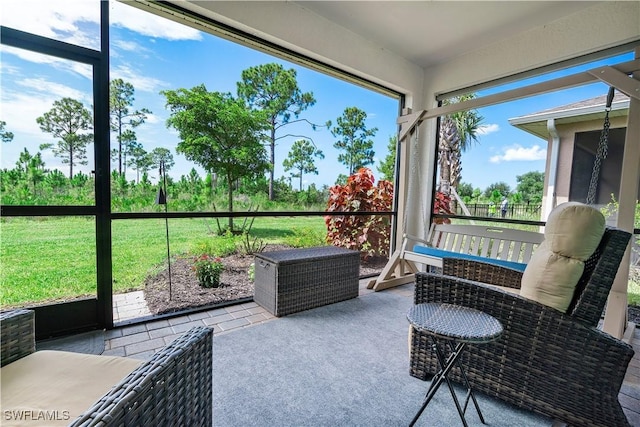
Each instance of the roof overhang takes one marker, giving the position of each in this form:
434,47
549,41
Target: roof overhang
536,124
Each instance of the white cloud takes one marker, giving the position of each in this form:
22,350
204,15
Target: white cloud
76,21
8,70
27,55
84,70
55,90
20,108
153,119
128,45
144,83
519,153
150,25
487,129
20,111
60,19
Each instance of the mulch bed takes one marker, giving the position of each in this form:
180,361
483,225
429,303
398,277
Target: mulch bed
235,283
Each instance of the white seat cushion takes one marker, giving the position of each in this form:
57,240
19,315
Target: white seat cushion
52,388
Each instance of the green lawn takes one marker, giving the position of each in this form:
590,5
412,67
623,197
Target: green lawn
47,259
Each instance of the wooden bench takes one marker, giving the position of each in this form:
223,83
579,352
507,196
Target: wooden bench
502,246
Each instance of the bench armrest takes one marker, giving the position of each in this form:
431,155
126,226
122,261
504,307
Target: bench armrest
17,335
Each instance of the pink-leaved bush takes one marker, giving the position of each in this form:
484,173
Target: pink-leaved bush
369,234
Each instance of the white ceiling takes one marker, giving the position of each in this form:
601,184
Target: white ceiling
431,32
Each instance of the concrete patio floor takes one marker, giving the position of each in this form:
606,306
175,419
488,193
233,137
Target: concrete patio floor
143,340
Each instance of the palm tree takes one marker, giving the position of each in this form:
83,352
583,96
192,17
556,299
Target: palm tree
457,131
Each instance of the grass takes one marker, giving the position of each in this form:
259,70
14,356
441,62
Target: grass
47,259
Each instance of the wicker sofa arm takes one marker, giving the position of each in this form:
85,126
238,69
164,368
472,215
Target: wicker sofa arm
175,387
483,272
17,335
436,287
546,360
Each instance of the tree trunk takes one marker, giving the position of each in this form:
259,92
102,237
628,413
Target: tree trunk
70,162
449,140
120,148
444,171
272,160
230,195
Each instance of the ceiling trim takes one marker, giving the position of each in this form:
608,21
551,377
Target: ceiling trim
171,10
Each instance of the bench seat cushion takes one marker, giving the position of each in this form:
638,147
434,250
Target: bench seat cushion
54,387
440,253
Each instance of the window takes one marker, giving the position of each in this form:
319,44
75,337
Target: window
584,155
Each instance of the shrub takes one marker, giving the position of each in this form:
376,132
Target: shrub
305,237
218,245
251,245
368,234
208,270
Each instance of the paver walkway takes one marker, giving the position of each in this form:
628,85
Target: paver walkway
143,340
131,305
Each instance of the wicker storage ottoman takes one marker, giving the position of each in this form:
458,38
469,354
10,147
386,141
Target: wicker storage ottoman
299,279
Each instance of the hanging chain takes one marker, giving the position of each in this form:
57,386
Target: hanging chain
601,153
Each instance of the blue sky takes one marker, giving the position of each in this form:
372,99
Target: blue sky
155,54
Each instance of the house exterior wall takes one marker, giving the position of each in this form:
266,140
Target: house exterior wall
567,134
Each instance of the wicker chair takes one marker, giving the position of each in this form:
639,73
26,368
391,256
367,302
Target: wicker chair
174,387
556,364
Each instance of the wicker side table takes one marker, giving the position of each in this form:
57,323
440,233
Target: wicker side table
299,279
451,328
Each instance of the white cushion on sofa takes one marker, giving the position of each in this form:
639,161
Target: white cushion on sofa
574,230
54,387
572,233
